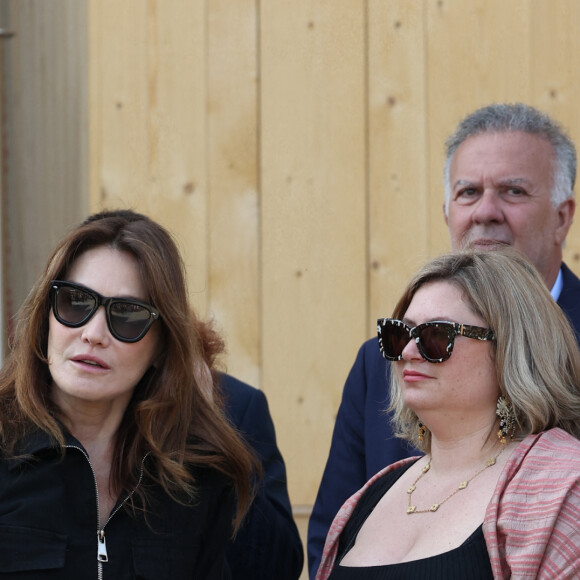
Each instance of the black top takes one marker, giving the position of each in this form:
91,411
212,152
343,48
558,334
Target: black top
470,560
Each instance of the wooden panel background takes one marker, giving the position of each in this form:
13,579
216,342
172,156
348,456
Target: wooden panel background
45,145
294,148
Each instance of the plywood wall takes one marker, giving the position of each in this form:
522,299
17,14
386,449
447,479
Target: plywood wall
295,149
44,134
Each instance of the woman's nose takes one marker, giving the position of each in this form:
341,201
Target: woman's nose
96,330
411,350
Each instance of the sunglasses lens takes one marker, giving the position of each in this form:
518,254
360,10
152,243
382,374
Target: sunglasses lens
129,320
73,306
395,338
434,341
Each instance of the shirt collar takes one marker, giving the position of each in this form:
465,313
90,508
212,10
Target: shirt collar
557,287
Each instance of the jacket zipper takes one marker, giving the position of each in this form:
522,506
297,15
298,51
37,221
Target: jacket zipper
101,542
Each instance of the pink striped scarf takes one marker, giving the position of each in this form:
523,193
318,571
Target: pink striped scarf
532,523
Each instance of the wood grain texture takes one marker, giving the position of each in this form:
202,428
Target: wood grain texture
398,227
46,146
149,122
233,182
295,149
313,253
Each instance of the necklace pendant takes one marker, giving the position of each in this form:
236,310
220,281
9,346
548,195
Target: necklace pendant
412,509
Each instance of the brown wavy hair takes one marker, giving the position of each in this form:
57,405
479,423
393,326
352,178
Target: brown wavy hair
171,416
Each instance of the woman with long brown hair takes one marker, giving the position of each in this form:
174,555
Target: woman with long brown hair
114,456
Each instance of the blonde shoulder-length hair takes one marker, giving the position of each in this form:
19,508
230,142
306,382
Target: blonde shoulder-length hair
535,349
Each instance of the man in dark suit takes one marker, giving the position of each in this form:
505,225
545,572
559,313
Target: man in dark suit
509,179
267,545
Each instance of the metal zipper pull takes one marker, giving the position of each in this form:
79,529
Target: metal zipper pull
101,547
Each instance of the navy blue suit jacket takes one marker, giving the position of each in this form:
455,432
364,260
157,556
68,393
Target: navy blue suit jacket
362,441
267,545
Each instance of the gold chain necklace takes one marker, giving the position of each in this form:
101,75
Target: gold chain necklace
412,509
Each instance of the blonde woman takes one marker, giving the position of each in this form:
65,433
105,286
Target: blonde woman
486,375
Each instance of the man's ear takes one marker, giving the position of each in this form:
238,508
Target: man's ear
565,218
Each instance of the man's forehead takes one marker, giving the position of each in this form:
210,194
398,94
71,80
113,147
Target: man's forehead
508,156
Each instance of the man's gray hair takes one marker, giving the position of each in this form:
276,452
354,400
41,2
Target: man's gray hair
505,117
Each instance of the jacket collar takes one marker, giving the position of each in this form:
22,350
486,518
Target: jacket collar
35,443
